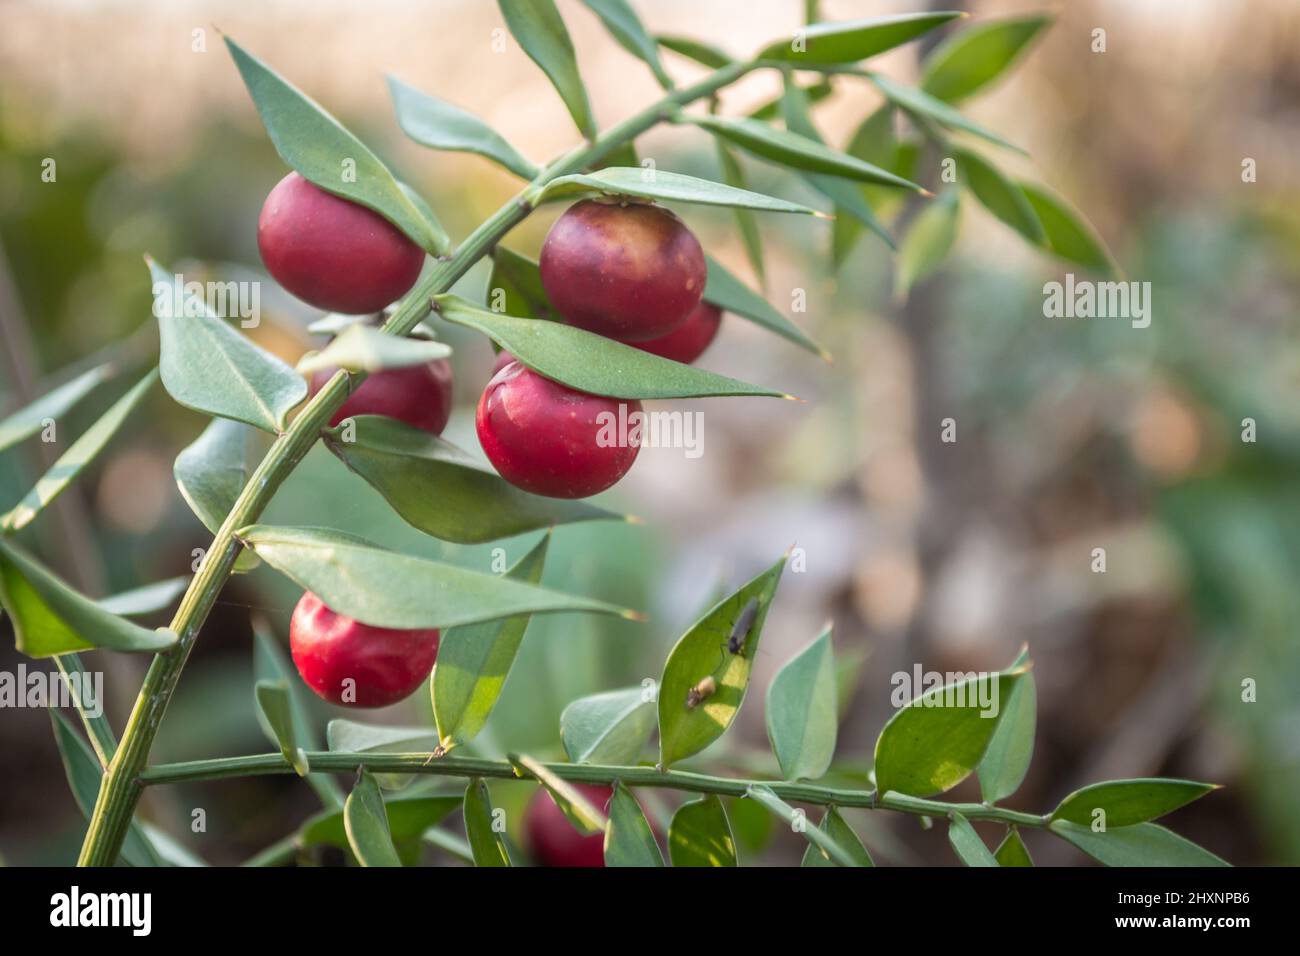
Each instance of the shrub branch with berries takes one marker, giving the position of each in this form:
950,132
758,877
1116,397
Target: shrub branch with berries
613,311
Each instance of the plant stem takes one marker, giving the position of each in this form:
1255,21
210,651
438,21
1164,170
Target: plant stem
420,763
120,788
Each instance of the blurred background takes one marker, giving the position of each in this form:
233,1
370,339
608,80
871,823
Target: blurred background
1072,434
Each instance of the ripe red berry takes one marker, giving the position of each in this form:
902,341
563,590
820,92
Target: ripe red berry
553,840
419,395
688,341
553,440
333,253
354,664
627,271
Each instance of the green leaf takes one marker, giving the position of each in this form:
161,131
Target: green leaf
728,293
212,471
835,827
734,176
1012,850
702,652
609,728
349,736
79,454
971,59
1126,802
801,713
587,818
1006,761
873,142
515,286
29,419
626,27
817,837
927,243
935,742
438,124
700,834
1143,844
800,152
276,706
439,489
539,29
923,104
387,589
407,817
474,661
999,195
966,843
1069,235
364,348
851,40
366,822
486,843
774,108
49,617
629,841
146,599
660,184
208,366
318,146
701,53
592,363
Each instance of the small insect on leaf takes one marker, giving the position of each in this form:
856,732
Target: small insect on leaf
701,692
740,630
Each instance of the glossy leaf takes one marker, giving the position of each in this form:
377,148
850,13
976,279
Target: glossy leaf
208,366
146,599
835,827
487,845
927,243
935,742
80,453
590,362
728,293
1143,844
1006,761
586,818
702,652
816,836
49,617
515,286
626,27
663,185
700,834
609,728
999,195
474,662
848,41
319,147
407,817
438,124
364,348
966,843
538,28
799,152
629,841
277,708
29,419
439,489
733,175
923,104
701,53
801,713
1069,235
211,472
1012,850
388,589
366,822
1126,802
971,59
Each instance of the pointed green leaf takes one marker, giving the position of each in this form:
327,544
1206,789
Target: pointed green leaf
407,817
1006,761
822,839
626,27
1126,802
587,818
923,104
701,653
972,58
366,823
274,702
648,183
319,147
208,366
935,742
49,617
1012,850
701,53
486,843
146,599
835,827
966,843
438,124
629,841
1069,235
999,195
927,243
388,589
734,176
474,662
728,293
79,454
29,419
848,41
539,29
1143,844
364,348
609,728
211,472
700,834
590,362
349,736
801,721
515,286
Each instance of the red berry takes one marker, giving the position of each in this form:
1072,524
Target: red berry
688,341
553,440
553,840
333,253
627,271
354,664
419,395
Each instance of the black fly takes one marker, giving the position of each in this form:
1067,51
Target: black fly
740,630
